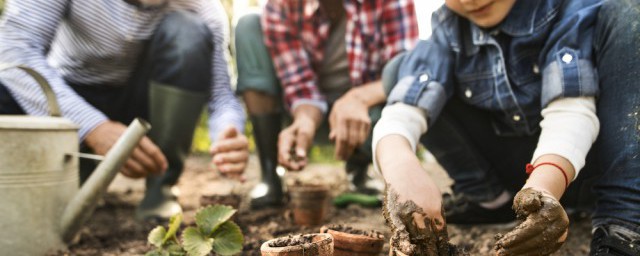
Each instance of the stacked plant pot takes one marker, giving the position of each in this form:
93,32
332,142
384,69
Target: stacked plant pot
309,204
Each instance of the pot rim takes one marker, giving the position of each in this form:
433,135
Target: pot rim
333,232
326,239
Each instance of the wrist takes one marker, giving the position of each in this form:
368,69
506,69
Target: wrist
95,133
394,154
308,114
369,94
356,94
548,180
551,173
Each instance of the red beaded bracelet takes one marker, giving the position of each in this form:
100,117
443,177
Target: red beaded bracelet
529,168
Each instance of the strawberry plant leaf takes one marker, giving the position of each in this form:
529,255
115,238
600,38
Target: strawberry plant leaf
228,239
175,250
195,243
156,236
157,253
174,224
211,217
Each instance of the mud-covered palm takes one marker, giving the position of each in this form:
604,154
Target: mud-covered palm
543,230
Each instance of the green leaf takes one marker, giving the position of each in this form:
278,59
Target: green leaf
211,217
228,239
174,224
175,250
156,236
157,253
195,243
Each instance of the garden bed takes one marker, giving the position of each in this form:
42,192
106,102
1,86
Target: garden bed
113,231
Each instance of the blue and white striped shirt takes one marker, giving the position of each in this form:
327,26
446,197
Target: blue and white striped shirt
98,42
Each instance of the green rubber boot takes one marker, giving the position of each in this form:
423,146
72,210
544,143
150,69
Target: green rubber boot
359,180
267,193
173,114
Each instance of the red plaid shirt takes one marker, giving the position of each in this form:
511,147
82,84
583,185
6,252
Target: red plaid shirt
296,32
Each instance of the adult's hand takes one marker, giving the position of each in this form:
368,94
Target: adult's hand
350,125
146,158
230,153
295,140
413,202
543,230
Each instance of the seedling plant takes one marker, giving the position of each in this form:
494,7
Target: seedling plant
214,232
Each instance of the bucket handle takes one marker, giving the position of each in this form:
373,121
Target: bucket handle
52,102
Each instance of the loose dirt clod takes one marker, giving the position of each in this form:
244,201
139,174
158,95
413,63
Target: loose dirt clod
407,237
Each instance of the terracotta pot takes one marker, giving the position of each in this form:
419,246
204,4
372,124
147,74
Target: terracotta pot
320,245
309,204
349,244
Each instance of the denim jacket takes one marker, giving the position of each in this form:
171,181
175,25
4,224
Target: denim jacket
541,51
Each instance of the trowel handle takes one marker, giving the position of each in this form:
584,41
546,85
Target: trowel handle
52,102
81,206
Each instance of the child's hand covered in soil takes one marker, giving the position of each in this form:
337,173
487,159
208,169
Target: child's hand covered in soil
543,230
412,203
414,232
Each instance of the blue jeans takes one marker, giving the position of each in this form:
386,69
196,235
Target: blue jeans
617,46
484,164
178,55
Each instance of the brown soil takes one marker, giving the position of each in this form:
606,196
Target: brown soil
354,231
232,200
291,240
113,231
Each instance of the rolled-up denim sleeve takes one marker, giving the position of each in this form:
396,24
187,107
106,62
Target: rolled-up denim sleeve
425,75
568,53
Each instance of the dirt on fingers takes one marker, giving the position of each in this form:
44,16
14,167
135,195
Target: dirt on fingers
414,232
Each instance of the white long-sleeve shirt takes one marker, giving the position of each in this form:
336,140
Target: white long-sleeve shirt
569,128
98,43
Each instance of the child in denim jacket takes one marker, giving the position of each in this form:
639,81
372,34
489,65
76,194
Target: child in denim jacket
501,83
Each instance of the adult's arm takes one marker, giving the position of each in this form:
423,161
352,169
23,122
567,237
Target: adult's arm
27,29
224,108
292,64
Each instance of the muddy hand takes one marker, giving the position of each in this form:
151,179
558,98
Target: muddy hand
543,230
414,233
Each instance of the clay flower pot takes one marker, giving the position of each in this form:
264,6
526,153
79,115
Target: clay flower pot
354,242
309,204
299,245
